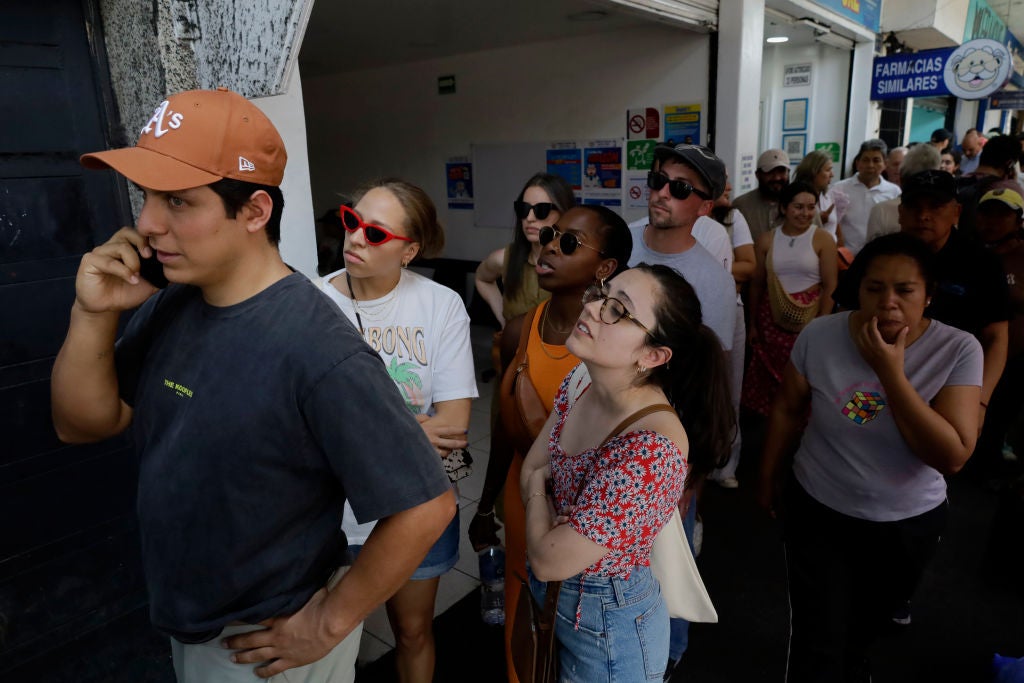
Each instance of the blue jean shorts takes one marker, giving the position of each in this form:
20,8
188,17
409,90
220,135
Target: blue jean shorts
623,632
441,557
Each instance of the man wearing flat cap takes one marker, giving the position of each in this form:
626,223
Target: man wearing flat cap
760,206
255,407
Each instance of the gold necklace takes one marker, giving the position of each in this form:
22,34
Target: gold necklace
543,346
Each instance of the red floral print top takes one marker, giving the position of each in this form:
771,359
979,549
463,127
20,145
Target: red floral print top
634,481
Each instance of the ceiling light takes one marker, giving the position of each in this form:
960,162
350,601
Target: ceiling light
777,39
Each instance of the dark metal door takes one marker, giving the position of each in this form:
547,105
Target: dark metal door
68,545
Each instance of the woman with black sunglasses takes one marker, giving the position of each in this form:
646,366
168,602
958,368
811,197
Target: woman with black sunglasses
421,330
587,245
597,496
540,203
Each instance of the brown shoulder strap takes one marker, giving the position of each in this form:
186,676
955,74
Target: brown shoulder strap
524,335
643,412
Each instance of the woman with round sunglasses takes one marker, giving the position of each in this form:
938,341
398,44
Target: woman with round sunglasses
421,331
797,269
540,203
587,245
597,496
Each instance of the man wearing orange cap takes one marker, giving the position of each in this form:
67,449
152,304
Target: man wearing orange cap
760,206
253,405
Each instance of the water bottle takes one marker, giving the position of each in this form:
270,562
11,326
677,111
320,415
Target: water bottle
492,593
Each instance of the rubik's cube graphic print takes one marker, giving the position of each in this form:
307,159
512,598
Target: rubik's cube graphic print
864,407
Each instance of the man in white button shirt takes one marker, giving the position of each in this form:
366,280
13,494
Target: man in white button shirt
865,189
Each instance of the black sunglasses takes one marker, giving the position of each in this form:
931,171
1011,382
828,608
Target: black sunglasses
567,241
680,189
540,211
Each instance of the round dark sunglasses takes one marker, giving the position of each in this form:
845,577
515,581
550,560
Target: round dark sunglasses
567,241
375,235
680,189
540,211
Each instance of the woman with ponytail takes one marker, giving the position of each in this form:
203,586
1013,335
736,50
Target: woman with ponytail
596,498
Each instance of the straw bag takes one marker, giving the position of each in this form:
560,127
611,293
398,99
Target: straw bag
787,313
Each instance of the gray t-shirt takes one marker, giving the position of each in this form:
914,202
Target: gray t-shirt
713,284
254,424
852,457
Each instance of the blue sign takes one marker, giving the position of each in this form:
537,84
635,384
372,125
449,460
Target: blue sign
1007,100
867,13
918,74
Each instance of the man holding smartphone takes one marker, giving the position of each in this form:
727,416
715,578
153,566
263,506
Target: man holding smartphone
255,407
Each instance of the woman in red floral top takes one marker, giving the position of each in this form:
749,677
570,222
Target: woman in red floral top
594,504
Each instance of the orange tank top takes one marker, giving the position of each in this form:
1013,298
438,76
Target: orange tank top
548,363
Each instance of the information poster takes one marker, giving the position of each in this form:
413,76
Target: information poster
564,160
639,159
602,173
460,183
682,124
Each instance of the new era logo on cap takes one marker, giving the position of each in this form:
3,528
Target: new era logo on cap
246,165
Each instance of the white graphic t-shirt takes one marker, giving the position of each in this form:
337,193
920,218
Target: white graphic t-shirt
421,331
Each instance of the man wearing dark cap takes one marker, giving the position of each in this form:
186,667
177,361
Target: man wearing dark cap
760,206
970,289
997,161
255,407
684,182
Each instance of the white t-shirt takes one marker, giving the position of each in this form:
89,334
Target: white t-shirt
713,236
855,221
825,200
421,331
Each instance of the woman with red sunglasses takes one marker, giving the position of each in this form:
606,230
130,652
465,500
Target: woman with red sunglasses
421,330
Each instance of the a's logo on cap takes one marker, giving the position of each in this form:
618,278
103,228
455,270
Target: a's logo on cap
246,165
160,116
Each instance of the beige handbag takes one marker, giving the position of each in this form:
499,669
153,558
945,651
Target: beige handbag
788,313
681,586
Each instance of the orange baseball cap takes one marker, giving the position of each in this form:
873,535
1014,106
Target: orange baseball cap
196,138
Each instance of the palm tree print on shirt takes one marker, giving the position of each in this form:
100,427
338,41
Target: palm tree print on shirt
404,375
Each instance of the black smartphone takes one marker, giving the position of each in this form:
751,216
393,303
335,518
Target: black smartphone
152,271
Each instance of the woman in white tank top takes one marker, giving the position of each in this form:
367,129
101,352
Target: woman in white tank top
793,283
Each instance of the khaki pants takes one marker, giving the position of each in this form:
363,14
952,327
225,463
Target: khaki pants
210,663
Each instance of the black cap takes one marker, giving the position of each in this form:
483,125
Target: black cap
699,158
933,185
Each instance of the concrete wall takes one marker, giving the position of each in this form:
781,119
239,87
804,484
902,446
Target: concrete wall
826,94
391,121
166,46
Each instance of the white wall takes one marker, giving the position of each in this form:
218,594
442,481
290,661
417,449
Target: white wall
741,36
391,121
826,95
298,242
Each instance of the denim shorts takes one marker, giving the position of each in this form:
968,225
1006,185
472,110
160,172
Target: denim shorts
441,557
623,632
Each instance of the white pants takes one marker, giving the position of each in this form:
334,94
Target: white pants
739,341
209,662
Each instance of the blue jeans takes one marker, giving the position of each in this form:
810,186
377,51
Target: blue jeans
680,637
623,633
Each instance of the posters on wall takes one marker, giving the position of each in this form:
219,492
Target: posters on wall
643,124
639,159
794,75
563,160
602,173
682,124
459,180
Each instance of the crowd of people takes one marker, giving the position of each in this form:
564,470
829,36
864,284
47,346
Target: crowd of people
300,442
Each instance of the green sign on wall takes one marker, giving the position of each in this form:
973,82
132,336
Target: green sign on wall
640,154
832,148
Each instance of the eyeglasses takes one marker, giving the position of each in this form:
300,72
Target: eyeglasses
612,310
678,188
540,211
567,241
375,234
